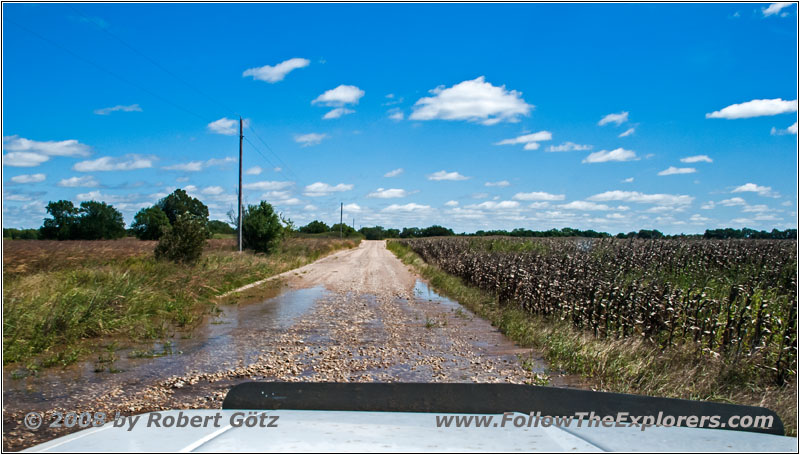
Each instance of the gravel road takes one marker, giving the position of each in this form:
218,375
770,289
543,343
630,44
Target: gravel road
372,319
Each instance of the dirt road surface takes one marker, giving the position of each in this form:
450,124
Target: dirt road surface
357,315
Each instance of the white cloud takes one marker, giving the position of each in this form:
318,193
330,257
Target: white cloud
531,141
309,139
628,180
585,205
396,114
753,188
755,108
451,203
213,190
444,175
75,182
352,208
339,96
618,119
394,173
473,100
388,193
672,170
224,126
28,178
501,183
24,159
197,166
276,73
119,107
266,185
255,170
337,112
538,196
734,201
635,196
627,132
618,154
26,152
697,159
492,205
323,189
568,147
310,208
791,129
110,163
410,207
775,8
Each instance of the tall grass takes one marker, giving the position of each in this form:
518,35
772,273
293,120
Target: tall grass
52,310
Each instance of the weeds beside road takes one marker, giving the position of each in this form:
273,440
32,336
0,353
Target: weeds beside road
626,365
60,296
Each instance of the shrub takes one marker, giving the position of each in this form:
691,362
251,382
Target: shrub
178,202
150,223
184,241
315,227
261,227
99,220
220,227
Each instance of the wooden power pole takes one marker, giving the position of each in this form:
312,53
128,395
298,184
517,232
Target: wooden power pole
239,218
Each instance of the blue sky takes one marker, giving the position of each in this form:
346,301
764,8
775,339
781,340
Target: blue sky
614,117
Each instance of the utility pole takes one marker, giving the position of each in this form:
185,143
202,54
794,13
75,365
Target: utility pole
239,218
341,219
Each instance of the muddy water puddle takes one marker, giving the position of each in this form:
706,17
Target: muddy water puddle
234,337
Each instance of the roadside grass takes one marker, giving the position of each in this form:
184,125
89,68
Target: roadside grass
618,365
61,298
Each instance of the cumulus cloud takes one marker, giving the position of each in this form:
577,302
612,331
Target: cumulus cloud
501,183
627,132
110,163
774,8
76,182
538,196
339,96
585,205
755,108
672,170
451,203
255,170
697,159
473,100
119,107
381,193
266,185
410,207
224,126
444,175
22,152
753,188
213,190
628,180
531,141
309,139
337,112
323,189
28,178
494,205
276,73
635,196
617,119
196,166
568,147
618,154
791,129
352,208
394,173
396,114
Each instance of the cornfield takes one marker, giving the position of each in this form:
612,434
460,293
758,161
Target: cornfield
734,298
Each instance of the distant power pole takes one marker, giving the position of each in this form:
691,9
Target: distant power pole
239,218
341,219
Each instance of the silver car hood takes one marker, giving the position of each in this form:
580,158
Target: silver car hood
358,431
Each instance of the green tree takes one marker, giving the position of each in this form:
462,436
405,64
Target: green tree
178,202
261,227
150,223
345,229
63,222
315,227
183,242
99,220
220,227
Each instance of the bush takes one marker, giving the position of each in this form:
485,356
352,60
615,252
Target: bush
261,227
178,202
314,227
184,241
220,227
150,223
